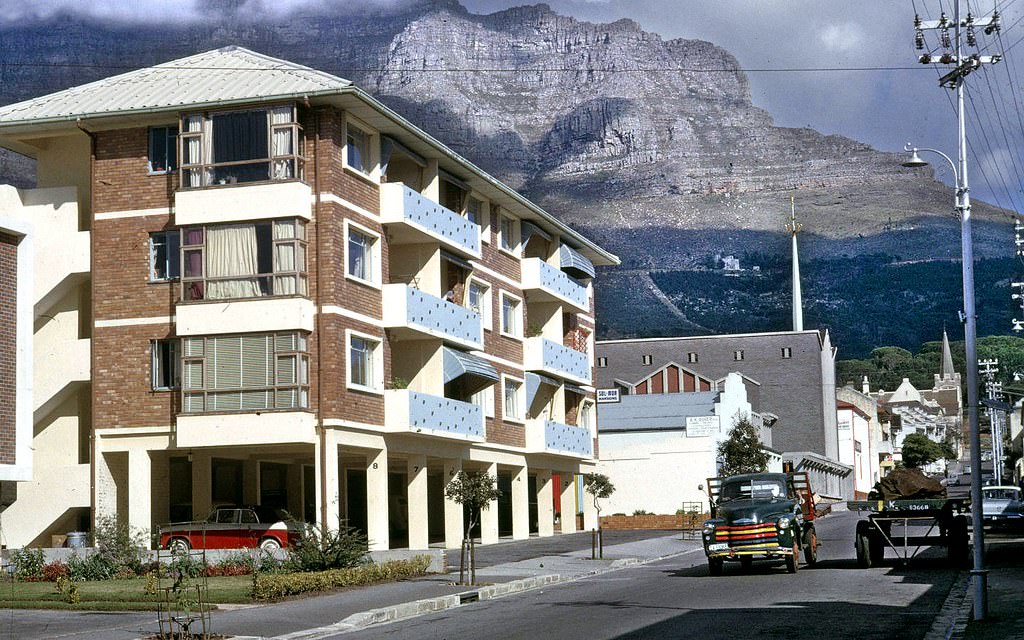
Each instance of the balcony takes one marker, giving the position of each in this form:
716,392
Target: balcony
407,411
245,316
233,203
414,218
419,315
245,429
546,283
552,358
547,436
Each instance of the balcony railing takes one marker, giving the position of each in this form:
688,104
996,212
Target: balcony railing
553,283
411,411
406,307
548,356
416,218
548,436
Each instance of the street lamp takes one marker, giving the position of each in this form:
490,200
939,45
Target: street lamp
962,203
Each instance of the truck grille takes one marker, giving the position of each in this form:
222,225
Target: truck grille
748,535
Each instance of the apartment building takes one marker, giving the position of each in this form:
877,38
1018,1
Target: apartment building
16,280
272,289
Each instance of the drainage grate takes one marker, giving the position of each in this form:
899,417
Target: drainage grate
469,596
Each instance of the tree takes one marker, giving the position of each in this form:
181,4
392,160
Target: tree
918,450
474,490
742,451
600,487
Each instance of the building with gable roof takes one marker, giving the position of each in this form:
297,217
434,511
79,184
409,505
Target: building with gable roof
256,284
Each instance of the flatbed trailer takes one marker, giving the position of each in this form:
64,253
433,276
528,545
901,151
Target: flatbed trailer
945,518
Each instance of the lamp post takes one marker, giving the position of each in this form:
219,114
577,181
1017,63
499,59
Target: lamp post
963,207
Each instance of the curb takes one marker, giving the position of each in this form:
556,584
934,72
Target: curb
951,621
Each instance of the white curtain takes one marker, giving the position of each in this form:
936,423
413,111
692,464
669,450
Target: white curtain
284,259
231,251
282,143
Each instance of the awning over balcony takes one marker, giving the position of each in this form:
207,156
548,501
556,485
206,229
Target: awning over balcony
533,383
529,229
456,260
473,372
575,263
574,389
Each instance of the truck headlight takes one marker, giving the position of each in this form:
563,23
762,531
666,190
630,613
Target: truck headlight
784,522
709,526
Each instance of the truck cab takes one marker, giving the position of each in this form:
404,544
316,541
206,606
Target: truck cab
760,516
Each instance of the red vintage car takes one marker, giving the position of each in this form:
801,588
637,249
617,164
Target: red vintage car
234,528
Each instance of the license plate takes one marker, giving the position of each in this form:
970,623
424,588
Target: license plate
718,546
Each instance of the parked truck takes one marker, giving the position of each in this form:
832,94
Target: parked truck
760,516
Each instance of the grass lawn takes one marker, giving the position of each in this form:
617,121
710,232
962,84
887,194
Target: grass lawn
116,595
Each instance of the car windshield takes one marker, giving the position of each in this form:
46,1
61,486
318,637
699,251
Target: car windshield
1001,494
756,488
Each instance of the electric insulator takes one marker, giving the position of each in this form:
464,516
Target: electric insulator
919,40
944,36
946,58
971,40
993,26
925,58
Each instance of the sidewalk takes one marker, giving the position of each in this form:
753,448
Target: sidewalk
503,568
1004,559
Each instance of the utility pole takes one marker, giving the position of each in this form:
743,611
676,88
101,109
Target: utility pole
794,228
962,67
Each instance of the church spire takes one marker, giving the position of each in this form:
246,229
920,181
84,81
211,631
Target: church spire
794,228
947,358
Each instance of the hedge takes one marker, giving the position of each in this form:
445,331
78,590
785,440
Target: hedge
271,586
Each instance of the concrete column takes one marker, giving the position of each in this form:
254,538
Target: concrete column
545,504
140,492
454,527
419,532
202,484
377,500
489,516
325,461
520,504
568,502
250,482
105,491
431,181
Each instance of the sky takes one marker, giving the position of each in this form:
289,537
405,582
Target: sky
840,67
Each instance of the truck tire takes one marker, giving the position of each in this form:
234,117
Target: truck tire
810,547
860,544
793,560
876,548
715,566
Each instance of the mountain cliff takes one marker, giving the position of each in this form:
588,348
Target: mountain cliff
651,146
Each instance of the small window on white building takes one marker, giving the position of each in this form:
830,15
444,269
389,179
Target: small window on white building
787,352
691,357
512,399
586,415
165,368
648,359
602,362
737,355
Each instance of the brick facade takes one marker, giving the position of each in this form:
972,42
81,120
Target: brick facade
8,346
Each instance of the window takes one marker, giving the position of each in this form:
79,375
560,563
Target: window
247,260
648,359
363,259
478,298
508,240
164,370
452,196
586,414
357,148
737,355
163,149
512,408
228,147
365,362
485,400
691,357
476,212
164,256
249,372
602,362
787,352
511,317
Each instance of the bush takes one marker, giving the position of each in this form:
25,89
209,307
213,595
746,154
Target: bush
52,571
121,546
641,512
267,587
28,564
94,566
346,547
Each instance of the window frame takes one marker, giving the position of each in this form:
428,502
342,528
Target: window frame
372,161
377,363
170,141
512,247
518,333
586,410
171,257
157,356
787,353
520,399
483,215
376,276
737,355
647,359
485,310
301,384
601,362
486,400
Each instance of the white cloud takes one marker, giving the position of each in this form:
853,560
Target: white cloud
842,38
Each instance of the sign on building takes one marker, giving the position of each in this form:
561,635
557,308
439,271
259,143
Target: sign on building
701,426
607,395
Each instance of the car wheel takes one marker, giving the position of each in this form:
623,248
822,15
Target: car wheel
270,544
793,560
811,547
715,566
179,545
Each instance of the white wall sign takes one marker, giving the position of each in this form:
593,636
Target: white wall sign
607,395
701,426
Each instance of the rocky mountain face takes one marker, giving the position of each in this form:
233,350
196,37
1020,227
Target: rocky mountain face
651,146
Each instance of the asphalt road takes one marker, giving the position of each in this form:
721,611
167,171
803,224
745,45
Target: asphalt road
677,598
